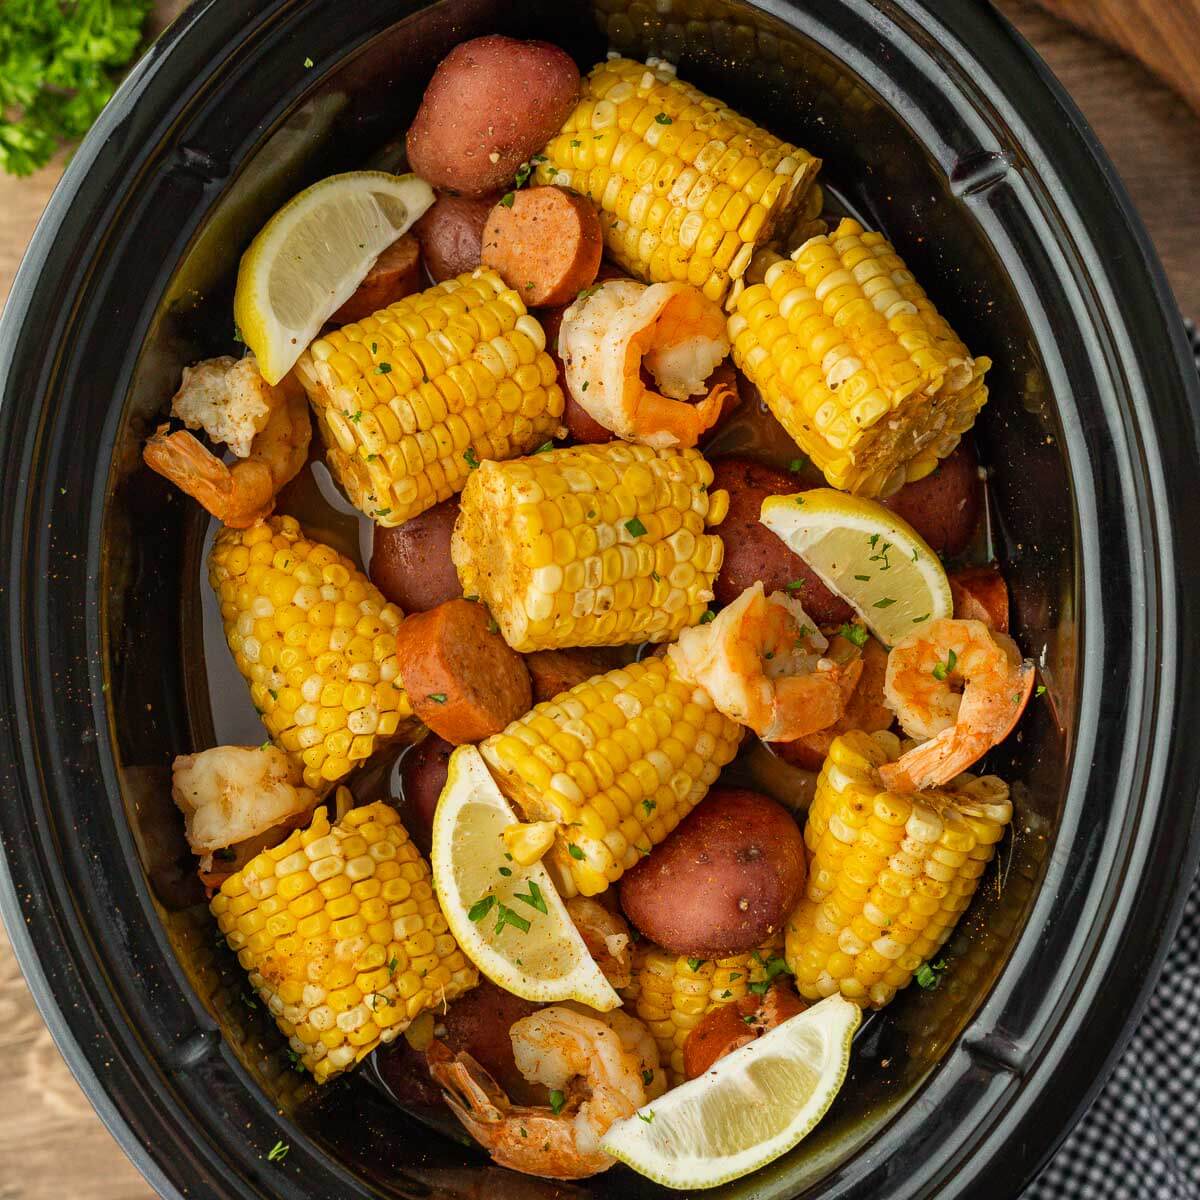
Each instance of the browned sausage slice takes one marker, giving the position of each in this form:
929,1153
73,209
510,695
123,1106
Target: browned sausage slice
396,274
451,234
463,680
731,1026
754,553
544,242
411,564
944,507
980,594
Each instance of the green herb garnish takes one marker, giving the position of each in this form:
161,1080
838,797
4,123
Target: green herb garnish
635,527
481,908
941,670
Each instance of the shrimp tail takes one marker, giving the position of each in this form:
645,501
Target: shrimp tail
936,762
660,417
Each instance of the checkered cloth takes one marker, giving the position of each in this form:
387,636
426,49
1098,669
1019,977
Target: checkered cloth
1140,1140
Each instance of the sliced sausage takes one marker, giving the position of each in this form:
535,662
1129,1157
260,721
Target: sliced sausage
492,103
423,771
980,594
557,671
463,679
944,507
753,552
732,1026
451,233
544,242
865,710
396,274
411,564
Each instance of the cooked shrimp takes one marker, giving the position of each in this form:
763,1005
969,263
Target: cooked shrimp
606,936
226,397
961,687
244,492
637,1039
232,793
672,329
582,1059
762,662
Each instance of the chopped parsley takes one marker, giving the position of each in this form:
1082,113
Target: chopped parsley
584,293
576,143
393,964
472,459
941,670
854,633
575,852
694,964
383,369
734,976
507,199
886,602
506,916
584,385
649,806
557,1102
278,1152
647,1077
635,527
506,871
308,64
481,908
662,118
799,499
225,854
492,626
647,1116
922,617
927,974
774,966
437,697
797,585
707,615
1041,690
534,899
544,448
382,512
862,578
797,465
356,416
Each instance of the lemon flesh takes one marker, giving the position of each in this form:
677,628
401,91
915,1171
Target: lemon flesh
752,1106
548,961
866,554
309,258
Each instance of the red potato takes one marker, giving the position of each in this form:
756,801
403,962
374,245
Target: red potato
423,771
725,879
754,553
545,243
731,1026
451,234
944,507
557,671
980,594
492,103
411,564
464,681
865,710
395,274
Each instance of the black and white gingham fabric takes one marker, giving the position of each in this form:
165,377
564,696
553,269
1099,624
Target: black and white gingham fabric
1140,1140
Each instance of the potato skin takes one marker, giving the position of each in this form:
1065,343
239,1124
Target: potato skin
981,594
725,878
944,506
451,234
492,102
423,771
411,564
753,552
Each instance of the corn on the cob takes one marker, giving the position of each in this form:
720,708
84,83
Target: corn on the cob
617,762
671,994
686,187
591,545
342,936
890,874
856,363
411,397
315,640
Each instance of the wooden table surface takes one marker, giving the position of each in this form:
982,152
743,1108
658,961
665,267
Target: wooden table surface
51,1143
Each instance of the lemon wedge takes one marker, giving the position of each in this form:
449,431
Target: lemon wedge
866,554
752,1106
509,920
313,253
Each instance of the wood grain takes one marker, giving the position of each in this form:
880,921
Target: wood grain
1163,34
51,1143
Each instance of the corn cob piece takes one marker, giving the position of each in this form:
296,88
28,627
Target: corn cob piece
890,874
686,187
411,397
591,545
672,994
342,936
856,363
315,640
616,762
